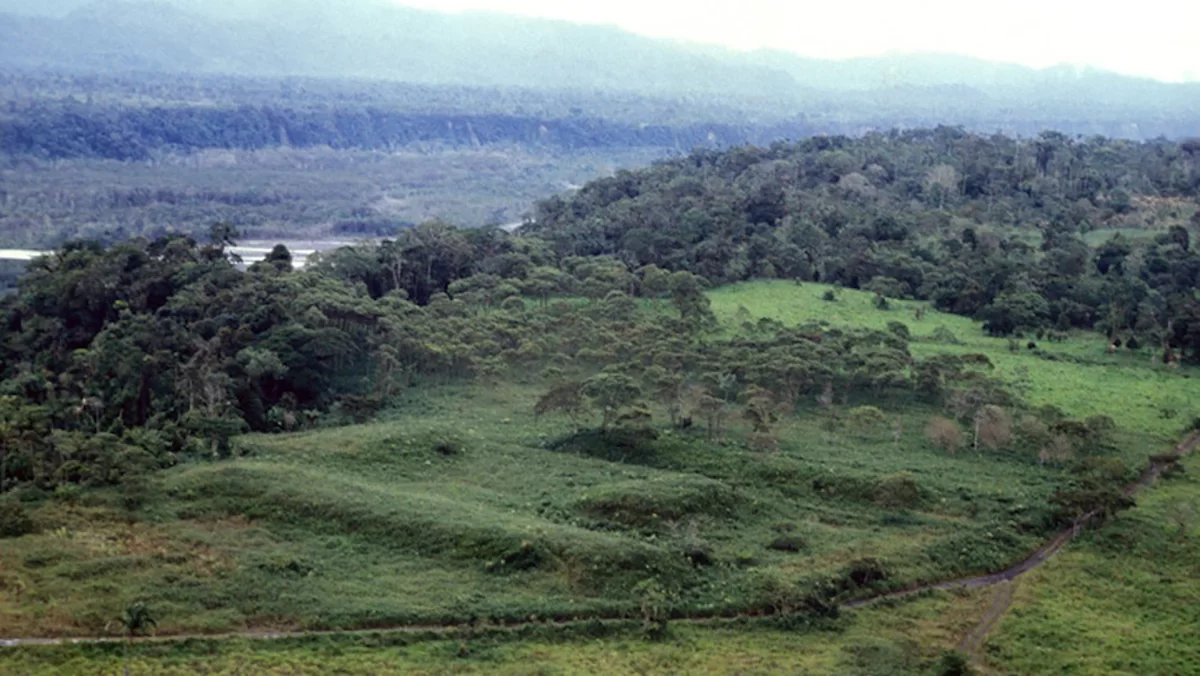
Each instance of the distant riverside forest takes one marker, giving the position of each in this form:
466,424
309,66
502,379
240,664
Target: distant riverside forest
61,115
116,359
107,157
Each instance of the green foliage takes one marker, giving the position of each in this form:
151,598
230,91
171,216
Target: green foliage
788,543
136,619
944,335
14,519
976,264
952,663
182,352
899,491
654,503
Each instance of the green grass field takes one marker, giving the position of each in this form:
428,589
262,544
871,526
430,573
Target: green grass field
1125,599
459,506
1129,386
374,526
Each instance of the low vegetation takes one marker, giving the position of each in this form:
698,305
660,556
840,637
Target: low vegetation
472,429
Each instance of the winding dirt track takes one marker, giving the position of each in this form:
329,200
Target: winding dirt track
972,641
1043,554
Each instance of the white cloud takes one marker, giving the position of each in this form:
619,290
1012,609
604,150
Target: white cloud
1155,38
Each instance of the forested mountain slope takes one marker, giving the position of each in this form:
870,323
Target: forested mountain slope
378,40
984,226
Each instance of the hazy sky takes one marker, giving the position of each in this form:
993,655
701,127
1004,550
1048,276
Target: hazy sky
1156,38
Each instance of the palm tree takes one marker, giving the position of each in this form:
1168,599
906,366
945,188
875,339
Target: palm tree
137,619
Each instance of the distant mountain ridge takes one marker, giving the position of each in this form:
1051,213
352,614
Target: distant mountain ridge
375,39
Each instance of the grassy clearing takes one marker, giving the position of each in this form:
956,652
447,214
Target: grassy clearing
384,524
1125,599
457,506
1077,375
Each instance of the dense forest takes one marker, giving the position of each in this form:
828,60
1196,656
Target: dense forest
52,114
177,350
377,42
984,226
58,131
109,156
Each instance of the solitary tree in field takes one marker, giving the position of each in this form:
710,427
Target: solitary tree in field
137,619
993,428
566,398
944,434
611,393
865,420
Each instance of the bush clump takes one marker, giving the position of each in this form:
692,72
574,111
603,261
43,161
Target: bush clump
788,543
651,503
633,445
899,491
863,572
14,519
994,426
944,434
525,556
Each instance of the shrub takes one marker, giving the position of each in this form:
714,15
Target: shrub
829,296
525,556
899,329
513,305
699,556
944,335
864,420
1057,449
14,520
993,428
762,443
656,603
952,663
1032,432
445,443
864,572
136,491
1100,430
651,503
944,434
787,543
898,491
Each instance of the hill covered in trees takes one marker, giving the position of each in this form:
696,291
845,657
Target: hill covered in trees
990,227
177,340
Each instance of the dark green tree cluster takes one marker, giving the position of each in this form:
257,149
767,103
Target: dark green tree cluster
989,227
120,360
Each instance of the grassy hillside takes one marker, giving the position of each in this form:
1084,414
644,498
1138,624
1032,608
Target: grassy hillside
1126,599
1078,375
421,520
461,506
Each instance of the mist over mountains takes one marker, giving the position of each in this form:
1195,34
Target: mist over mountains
375,39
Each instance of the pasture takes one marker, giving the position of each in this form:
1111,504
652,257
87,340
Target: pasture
460,506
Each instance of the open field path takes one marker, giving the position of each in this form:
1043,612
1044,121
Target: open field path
973,641
972,644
